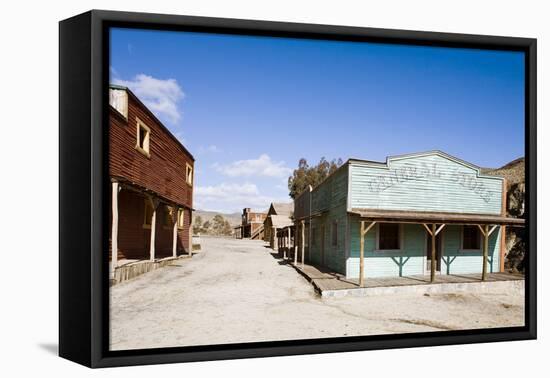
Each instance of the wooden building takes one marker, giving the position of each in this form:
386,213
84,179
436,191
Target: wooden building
151,176
252,225
278,217
423,213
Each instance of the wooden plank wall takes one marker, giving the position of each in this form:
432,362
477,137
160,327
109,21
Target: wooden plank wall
164,172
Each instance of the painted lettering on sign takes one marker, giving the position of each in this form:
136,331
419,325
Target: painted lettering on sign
426,171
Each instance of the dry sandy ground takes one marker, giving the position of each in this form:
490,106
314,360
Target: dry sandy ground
236,291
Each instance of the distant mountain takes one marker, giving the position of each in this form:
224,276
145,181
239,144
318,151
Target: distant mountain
234,219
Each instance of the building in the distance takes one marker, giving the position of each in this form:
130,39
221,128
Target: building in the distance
278,217
151,176
252,225
422,213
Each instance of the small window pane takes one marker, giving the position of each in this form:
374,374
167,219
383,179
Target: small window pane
388,236
471,238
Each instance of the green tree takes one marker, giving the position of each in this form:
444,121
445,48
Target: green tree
206,227
305,175
197,224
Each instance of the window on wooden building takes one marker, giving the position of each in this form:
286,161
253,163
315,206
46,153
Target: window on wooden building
188,174
471,238
147,214
334,233
143,136
389,236
167,218
181,218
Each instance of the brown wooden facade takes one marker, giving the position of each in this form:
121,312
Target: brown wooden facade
252,224
152,184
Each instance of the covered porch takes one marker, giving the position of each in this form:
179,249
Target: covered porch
434,223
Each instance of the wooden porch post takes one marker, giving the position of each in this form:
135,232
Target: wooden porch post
190,231
485,252
362,234
175,210
288,242
486,233
114,227
433,264
295,244
302,242
433,233
153,230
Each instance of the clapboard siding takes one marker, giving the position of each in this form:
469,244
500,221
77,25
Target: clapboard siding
410,260
164,171
456,261
430,182
329,204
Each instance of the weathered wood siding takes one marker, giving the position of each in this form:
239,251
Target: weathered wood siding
329,206
424,182
164,171
457,261
410,260
302,204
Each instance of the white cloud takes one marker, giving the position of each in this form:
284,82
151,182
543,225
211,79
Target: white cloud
159,95
262,166
229,197
211,148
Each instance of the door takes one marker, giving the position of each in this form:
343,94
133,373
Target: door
438,246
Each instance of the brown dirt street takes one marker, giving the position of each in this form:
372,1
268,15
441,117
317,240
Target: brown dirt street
236,291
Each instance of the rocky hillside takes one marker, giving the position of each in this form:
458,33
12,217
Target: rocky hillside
234,219
514,173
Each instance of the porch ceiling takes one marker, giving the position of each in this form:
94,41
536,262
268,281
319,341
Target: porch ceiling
434,217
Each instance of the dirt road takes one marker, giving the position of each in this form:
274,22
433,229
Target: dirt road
237,291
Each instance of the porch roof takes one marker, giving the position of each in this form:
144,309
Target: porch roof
435,217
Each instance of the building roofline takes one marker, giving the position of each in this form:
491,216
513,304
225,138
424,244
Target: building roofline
390,158
155,118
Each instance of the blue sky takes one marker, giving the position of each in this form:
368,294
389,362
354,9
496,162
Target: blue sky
249,108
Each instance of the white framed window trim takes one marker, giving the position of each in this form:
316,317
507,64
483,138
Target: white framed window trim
144,147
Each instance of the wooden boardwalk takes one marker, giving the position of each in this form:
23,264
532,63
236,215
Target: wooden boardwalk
324,280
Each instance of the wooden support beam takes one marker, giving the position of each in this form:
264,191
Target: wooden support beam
485,252
302,243
175,212
114,227
295,244
362,234
440,229
190,253
433,263
427,228
288,243
153,232
502,248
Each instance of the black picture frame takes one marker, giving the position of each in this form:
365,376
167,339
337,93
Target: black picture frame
84,191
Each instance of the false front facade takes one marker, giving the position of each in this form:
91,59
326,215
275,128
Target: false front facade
424,213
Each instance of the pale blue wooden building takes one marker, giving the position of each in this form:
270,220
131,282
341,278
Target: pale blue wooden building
422,213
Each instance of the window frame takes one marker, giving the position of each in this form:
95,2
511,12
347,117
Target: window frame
180,221
399,236
189,173
462,249
145,150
